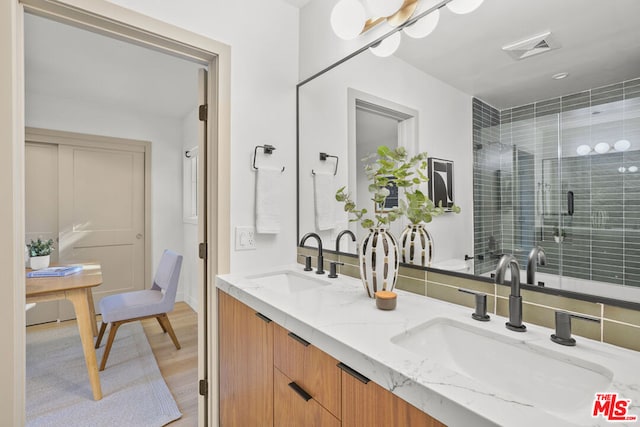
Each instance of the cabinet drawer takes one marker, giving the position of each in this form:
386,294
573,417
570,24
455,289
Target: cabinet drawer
293,409
312,369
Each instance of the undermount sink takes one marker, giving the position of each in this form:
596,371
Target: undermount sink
515,369
287,282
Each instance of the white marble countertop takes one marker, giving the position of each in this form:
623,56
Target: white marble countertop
342,321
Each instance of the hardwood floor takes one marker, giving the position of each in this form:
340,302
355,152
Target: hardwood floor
179,368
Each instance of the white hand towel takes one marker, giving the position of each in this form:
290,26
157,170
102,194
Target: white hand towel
268,200
325,200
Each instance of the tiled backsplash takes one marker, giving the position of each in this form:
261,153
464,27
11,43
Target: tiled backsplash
619,326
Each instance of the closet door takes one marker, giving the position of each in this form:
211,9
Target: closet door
101,215
41,211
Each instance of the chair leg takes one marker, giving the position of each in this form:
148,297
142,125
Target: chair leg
103,327
164,321
161,325
107,349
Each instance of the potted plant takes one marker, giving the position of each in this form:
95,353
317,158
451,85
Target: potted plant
390,170
40,253
558,234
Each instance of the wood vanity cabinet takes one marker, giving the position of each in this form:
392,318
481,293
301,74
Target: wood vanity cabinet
369,405
270,377
246,365
313,373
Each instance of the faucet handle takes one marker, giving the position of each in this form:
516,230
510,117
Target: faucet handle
481,305
307,262
563,327
333,265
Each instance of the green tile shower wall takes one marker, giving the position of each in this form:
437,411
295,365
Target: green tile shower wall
603,236
620,326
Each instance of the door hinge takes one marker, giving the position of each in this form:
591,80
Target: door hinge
202,250
202,112
203,386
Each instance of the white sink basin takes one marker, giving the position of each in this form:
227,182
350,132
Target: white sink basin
287,282
514,369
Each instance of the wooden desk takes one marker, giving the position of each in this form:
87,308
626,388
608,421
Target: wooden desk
77,289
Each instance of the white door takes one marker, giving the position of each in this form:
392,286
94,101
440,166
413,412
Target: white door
41,211
101,215
90,198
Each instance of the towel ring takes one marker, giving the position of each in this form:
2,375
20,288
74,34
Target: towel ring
268,149
323,157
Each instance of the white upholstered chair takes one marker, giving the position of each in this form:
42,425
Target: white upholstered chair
155,302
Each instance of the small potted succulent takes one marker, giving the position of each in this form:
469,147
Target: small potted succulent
40,253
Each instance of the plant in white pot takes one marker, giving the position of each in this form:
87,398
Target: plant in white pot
392,169
40,253
415,241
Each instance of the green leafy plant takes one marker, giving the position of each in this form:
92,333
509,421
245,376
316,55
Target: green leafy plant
40,247
394,167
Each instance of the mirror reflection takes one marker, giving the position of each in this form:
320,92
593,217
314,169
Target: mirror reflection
537,161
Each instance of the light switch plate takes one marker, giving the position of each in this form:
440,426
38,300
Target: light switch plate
245,238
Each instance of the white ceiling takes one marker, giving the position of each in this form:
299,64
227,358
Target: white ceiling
64,61
600,45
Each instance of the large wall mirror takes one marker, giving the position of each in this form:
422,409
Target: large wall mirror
538,160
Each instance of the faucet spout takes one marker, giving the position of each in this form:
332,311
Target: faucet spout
515,300
536,256
342,233
320,266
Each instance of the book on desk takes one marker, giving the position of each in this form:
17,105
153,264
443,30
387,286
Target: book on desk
59,271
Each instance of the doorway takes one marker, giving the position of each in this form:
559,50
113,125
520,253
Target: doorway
214,154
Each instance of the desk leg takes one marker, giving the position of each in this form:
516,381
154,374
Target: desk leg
80,299
92,312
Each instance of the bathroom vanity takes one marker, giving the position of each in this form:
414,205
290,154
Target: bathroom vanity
299,349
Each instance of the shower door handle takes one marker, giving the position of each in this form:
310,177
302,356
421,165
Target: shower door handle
570,202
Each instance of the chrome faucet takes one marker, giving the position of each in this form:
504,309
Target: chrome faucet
536,256
320,269
342,233
515,300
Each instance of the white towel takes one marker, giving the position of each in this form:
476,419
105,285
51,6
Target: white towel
268,200
325,200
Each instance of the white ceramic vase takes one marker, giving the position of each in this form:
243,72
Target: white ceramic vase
416,246
379,261
39,262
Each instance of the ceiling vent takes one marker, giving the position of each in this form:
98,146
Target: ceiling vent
534,45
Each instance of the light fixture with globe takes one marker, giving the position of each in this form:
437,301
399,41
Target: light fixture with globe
414,18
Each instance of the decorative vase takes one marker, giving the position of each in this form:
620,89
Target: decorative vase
39,262
379,261
416,246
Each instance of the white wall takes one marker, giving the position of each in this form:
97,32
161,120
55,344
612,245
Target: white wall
444,131
263,36
165,135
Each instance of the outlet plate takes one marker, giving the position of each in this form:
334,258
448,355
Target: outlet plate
245,238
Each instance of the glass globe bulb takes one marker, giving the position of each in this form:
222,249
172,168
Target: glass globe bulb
383,8
348,18
424,26
463,6
622,145
602,147
583,150
387,46
633,169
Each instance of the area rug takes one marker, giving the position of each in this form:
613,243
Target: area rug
59,394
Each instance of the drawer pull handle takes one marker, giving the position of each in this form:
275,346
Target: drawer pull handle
355,374
300,340
303,394
263,317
